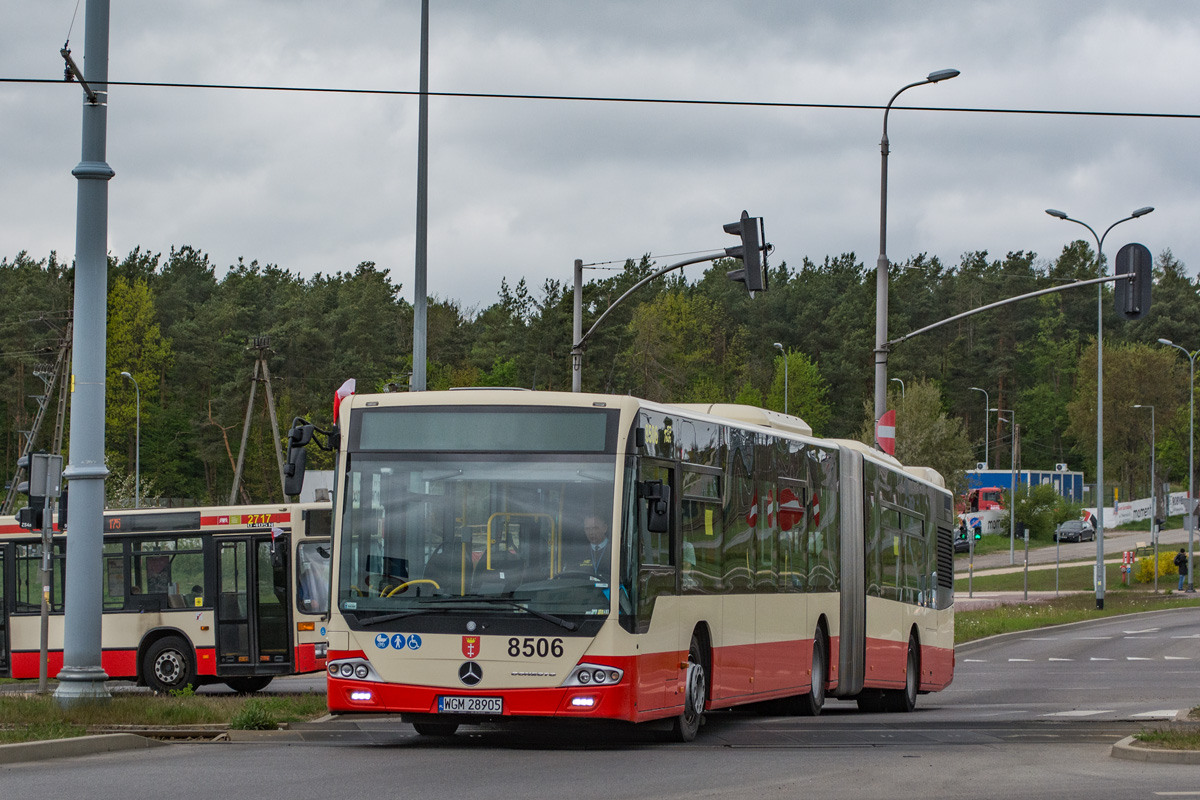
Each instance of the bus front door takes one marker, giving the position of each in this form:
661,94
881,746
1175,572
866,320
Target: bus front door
253,636
4,561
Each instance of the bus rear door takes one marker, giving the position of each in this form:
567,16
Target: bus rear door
5,559
253,603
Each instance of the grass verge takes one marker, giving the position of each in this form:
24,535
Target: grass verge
38,717
977,624
1070,579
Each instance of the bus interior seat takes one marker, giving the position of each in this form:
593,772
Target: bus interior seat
445,568
504,575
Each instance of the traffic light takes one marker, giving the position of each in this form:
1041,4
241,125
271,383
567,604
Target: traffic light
978,535
753,272
29,517
1133,293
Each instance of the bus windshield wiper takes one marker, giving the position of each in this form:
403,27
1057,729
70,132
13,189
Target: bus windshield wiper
559,621
398,615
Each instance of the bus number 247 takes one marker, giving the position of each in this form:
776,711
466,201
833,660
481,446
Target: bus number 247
530,646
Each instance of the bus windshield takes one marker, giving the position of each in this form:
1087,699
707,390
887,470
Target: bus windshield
506,534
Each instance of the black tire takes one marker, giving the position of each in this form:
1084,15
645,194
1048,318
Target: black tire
248,684
169,666
905,700
685,727
435,728
810,705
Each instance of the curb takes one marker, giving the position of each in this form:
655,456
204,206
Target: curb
1127,750
77,746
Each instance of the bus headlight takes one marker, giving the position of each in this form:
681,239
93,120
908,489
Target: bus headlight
353,669
589,674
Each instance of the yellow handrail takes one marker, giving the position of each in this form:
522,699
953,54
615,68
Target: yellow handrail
509,514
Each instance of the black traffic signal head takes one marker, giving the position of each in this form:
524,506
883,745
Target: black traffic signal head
1133,293
753,272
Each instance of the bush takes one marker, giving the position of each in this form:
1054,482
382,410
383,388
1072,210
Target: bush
1145,567
253,716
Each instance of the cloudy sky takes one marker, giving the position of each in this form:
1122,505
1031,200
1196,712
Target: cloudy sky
521,188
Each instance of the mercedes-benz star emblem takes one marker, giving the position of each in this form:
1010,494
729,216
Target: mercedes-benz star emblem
470,673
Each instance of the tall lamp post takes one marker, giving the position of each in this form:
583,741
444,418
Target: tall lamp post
881,264
899,381
1191,511
1153,494
1012,498
137,448
783,353
1141,212
987,416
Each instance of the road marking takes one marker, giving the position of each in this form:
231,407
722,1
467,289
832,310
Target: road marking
1193,636
1137,658
1178,658
1020,659
975,660
1166,713
1093,638
1139,637
1177,794
1079,713
1061,659
1039,638
1101,659
1147,630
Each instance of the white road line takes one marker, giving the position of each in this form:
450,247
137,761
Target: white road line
1093,638
1061,659
1079,713
1039,638
1100,659
1137,658
975,660
1193,636
1147,630
1166,713
1178,658
1020,659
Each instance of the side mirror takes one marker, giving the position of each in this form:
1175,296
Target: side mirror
293,471
658,506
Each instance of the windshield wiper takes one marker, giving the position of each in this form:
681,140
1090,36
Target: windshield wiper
559,621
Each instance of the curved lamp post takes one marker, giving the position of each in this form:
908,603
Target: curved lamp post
899,381
1191,512
881,264
987,416
779,346
137,449
1012,499
1141,212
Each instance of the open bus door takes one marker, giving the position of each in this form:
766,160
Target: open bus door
253,606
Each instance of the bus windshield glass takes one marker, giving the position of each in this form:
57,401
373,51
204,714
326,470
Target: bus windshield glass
511,533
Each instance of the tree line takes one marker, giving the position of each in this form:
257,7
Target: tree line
183,329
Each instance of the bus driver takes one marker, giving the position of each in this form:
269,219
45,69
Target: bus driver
597,557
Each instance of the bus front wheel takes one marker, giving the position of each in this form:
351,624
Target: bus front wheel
168,666
695,693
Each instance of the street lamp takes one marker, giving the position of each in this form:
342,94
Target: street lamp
1191,511
1012,499
986,422
897,380
137,451
881,264
785,376
1153,494
1141,212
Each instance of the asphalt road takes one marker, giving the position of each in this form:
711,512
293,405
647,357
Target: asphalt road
1030,715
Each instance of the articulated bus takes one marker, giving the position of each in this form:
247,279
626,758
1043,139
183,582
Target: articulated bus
231,594
506,554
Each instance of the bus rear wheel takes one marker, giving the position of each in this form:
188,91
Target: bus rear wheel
248,684
168,666
905,700
695,693
810,705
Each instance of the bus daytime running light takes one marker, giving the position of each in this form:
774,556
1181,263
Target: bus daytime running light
583,702
360,696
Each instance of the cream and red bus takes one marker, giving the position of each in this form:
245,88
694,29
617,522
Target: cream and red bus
230,594
745,560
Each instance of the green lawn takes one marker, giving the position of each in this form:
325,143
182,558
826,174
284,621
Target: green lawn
1070,579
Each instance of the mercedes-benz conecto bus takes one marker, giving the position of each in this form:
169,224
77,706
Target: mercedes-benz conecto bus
232,594
511,554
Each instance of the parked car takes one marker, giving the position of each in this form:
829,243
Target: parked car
1074,530
962,544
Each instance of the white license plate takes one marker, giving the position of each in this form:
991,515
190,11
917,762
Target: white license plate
449,704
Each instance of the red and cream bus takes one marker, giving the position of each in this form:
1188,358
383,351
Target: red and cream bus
231,594
744,560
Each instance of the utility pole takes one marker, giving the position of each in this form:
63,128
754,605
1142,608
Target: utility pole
261,345
82,677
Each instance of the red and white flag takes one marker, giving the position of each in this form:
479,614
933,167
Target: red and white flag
344,391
